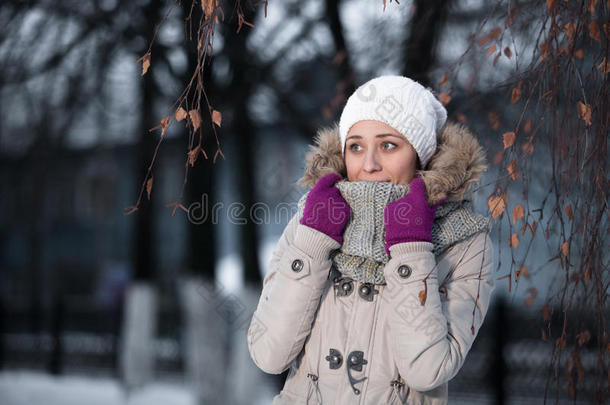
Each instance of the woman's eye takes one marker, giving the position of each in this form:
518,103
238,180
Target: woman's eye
388,145
354,147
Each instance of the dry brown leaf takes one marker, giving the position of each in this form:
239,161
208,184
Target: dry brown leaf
518,213
208,7
514,240
195,119
216,117
508,52
543,334
604,66
524,272
512,170
544,50
422,297
164,124
570,29
528,148
180,114
491,50
546,315
569,212
516,95
527,127
579,53
498,157
443,81
193,154
565,247
594,31
509,139
496,206
492,35
149,185
592,4
588,274
496,58
444,98
584,112
145,62
462,118
550,4
528,301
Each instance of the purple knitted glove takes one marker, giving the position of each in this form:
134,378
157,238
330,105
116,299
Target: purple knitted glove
410,218
325,209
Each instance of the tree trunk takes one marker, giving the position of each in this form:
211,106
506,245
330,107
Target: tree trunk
420,47
200,185
204,331
244,139
139,322
346,73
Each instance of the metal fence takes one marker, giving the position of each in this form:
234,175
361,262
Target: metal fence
508,363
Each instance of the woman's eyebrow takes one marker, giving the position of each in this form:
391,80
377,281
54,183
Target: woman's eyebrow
376,136
385,135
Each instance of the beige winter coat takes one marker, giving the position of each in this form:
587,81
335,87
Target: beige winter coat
352,345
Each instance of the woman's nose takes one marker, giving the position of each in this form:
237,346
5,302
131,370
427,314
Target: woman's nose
371,162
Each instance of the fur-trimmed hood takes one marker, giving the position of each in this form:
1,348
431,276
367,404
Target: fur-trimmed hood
457,164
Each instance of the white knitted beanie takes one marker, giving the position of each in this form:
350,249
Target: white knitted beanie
403,104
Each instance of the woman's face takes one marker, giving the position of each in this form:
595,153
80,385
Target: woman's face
374,151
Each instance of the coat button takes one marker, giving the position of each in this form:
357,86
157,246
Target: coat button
404,271
344,287
365,290
297,265
334,359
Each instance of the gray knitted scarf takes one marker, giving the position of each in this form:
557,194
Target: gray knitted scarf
362,255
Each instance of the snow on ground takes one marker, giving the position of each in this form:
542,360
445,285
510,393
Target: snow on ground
32,387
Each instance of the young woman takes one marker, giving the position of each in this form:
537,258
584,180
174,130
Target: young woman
381,281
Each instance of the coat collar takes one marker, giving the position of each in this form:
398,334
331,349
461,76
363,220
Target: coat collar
457,164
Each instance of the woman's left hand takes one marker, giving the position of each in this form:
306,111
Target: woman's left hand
410,218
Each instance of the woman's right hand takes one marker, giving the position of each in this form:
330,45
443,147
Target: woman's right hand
325,209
